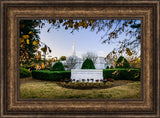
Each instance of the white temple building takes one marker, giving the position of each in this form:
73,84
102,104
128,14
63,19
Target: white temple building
99,63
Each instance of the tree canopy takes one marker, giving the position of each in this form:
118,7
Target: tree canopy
30,41
112,29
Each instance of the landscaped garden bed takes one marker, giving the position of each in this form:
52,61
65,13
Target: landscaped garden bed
86,85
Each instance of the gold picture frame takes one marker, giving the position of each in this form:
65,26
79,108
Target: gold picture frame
12,11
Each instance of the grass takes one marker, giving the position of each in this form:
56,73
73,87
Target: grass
50,90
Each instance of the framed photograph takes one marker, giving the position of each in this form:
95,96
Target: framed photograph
79,58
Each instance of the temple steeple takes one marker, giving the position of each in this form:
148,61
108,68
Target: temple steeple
73,52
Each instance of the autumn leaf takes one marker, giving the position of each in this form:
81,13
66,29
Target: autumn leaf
31,33
50,21
21,40
35,24
66,28
120,51
60,20
35,42
49,50
25,36
27,41
54,21
128,51
21,45
114,52
90,21
36,47
112,21
80,23
44,49
130,22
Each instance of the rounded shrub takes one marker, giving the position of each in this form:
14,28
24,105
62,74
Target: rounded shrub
107,67
88,64
58,66
122,63
24,73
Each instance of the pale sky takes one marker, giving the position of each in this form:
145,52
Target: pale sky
61,41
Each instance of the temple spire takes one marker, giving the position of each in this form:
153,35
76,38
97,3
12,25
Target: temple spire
74,52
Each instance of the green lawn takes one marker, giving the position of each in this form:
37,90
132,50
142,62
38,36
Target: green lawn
50,90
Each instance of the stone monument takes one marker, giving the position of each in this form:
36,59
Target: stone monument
86,75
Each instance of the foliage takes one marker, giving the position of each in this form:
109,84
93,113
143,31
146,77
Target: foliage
30,41
113,29
58,66
122,63
135,63
62,58
88,64
51,75
24,73
122,74
85,85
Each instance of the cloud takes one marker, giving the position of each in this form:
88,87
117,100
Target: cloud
101,53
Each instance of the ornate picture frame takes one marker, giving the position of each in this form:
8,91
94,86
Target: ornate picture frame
12,11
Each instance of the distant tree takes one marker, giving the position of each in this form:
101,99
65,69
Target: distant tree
122,63
58,66
90,55
62,58
71,61
88,64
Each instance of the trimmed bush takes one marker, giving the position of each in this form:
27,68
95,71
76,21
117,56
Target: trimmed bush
51,75
122,74
111,67
107,67
88,64
58,66
24,73
122,63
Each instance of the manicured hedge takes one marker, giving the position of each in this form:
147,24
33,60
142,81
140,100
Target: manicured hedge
117,74
122,74
51,75
24,73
